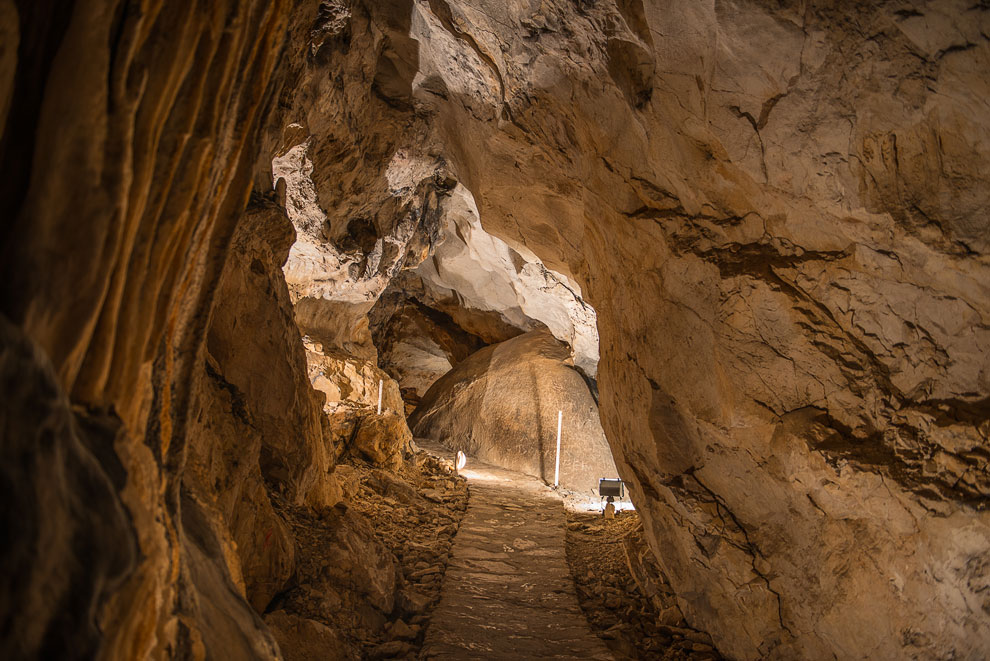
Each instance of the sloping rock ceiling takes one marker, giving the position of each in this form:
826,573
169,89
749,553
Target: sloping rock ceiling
483,274
777,210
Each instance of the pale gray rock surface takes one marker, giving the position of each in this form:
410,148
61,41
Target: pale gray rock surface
333,287
484,274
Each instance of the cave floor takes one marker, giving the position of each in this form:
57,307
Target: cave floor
508,592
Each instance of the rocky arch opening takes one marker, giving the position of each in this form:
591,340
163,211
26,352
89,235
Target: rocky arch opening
430,293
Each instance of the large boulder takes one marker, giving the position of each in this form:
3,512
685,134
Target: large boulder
501,405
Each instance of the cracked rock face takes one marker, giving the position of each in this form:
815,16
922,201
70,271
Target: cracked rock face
334,282
777,210
482,274
778,214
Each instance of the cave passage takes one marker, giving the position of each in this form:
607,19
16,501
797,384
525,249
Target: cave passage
267,264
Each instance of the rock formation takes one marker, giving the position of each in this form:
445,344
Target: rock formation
484,275
130,140
501,404
419,344
778,212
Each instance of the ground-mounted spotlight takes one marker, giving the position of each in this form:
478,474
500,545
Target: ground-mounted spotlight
461,461
610,489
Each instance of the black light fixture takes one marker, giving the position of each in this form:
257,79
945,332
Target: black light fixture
610,489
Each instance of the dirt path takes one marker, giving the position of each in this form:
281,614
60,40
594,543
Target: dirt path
507,592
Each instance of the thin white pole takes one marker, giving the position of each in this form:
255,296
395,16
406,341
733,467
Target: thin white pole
556,465
380,382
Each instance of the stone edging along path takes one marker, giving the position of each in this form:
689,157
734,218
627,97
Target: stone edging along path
507,592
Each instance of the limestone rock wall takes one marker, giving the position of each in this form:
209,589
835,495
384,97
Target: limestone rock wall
333,287
67,542
417,344
258,423
130,134
155,393
501,404
349,381
776,212
472,274
345,146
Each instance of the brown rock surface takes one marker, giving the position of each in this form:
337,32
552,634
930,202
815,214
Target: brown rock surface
59,481
349,381
778,210
369,570
257,423
302,639
129,141
501,405
382,439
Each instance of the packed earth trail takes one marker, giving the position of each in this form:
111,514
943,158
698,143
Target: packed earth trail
507,592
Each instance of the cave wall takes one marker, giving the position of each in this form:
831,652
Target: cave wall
777,210
131,139
156,395
418,344
474,276
346,148
257,425
777,213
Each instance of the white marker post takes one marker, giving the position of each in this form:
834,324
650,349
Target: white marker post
380,382
556,465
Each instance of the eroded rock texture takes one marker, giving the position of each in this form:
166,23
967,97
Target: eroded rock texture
155,384
778,211
129,141
777,215
258,425
478,278
501,404
419,344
